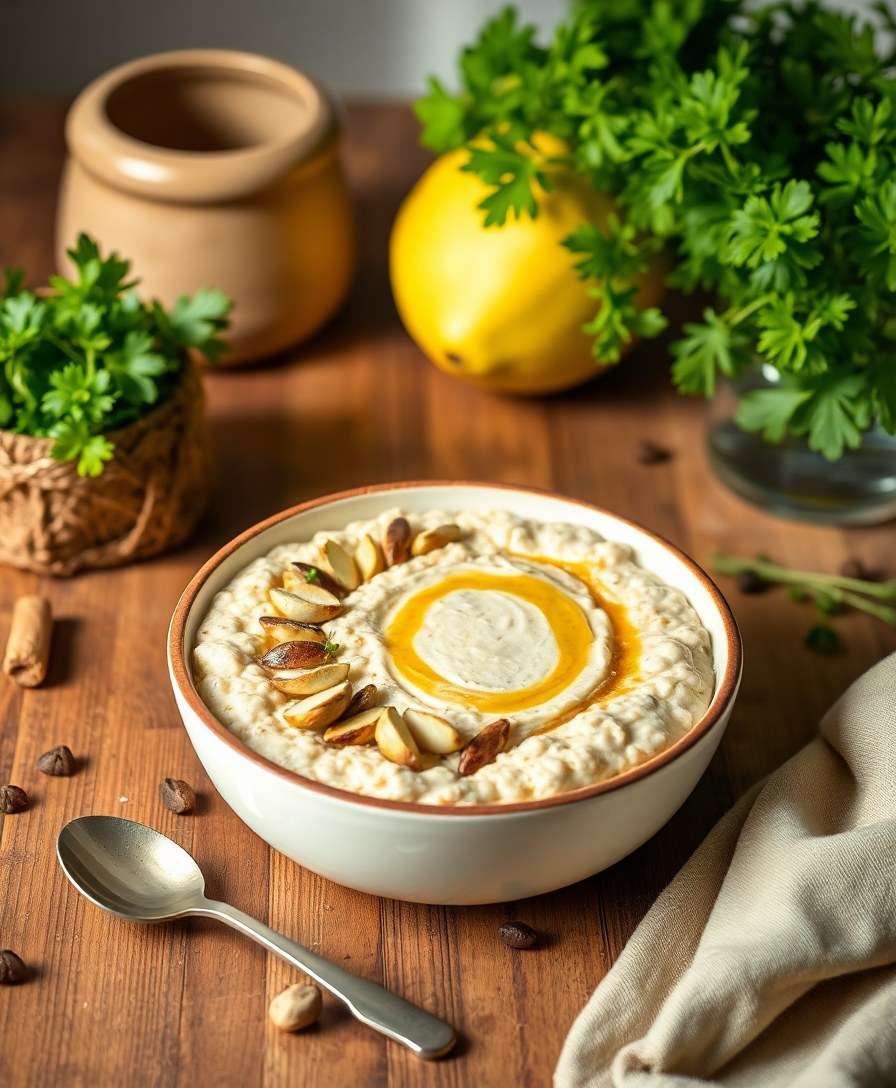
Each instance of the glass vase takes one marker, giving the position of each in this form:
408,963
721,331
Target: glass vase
793,481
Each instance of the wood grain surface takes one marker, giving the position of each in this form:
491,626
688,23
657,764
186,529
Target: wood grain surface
185,1004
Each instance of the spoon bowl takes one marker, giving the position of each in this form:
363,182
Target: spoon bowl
129,869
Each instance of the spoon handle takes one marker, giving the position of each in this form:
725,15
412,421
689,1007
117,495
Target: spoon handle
425,1035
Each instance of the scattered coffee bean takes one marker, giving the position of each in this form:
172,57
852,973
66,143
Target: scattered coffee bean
855,568
297,1007
177,795
58,762
748,581
517,935
649,453
12,970
12,799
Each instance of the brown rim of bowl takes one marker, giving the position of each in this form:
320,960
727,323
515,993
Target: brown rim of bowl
724,692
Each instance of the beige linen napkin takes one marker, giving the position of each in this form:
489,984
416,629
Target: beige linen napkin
770,959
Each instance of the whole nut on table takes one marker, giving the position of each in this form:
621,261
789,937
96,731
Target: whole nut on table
298,1006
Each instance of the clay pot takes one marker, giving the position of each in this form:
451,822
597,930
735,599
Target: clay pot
215,168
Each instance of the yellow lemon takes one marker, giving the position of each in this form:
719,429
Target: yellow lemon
499,306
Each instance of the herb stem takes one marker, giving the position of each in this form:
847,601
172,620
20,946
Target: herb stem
771,572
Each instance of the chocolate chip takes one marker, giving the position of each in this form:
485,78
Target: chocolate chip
12,799
748,581
177,795
58,762
649,453
12,970
518,935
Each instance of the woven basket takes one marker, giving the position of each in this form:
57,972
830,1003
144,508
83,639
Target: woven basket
149,497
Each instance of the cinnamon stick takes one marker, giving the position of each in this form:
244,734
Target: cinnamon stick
28,648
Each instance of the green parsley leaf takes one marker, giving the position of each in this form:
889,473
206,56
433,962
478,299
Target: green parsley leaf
714,347
823,639
770,411
74,442
512,174
443,119
876,241
91,356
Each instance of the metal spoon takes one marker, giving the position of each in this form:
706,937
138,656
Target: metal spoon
138,874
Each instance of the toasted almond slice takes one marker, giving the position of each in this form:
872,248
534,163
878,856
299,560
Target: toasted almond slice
358,729
428,760
397,542
363,699
394,740
309,681
304,574
432,733
428,541
320,710
484,747
340,564
283,630
304,607
369,558
297,655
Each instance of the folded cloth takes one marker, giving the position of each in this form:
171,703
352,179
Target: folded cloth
770,959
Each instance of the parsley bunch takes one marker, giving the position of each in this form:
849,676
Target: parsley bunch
91,357
758,146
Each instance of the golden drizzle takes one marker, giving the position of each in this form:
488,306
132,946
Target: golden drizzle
626,647
566,619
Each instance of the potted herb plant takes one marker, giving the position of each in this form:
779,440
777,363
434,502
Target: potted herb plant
758,147
103,454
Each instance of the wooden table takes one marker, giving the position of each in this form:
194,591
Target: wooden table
186,1004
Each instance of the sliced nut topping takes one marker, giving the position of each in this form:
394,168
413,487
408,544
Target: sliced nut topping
484,747
394,740
305,574
369,558
320,710
431,539
363,699
432,733
309,681
358,729
341,565
298,655
306,604
283,630
397,542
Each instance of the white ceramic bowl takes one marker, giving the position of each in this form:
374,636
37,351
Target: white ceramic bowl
478,854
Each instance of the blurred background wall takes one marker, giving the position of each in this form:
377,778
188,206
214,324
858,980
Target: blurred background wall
381,48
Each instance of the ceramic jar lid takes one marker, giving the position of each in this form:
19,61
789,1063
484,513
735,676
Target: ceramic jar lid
199,125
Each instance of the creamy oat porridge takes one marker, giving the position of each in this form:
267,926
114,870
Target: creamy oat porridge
467,658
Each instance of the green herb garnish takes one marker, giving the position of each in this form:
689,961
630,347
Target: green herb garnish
91,357
312,574
829,593
823,639
331,648
759,145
